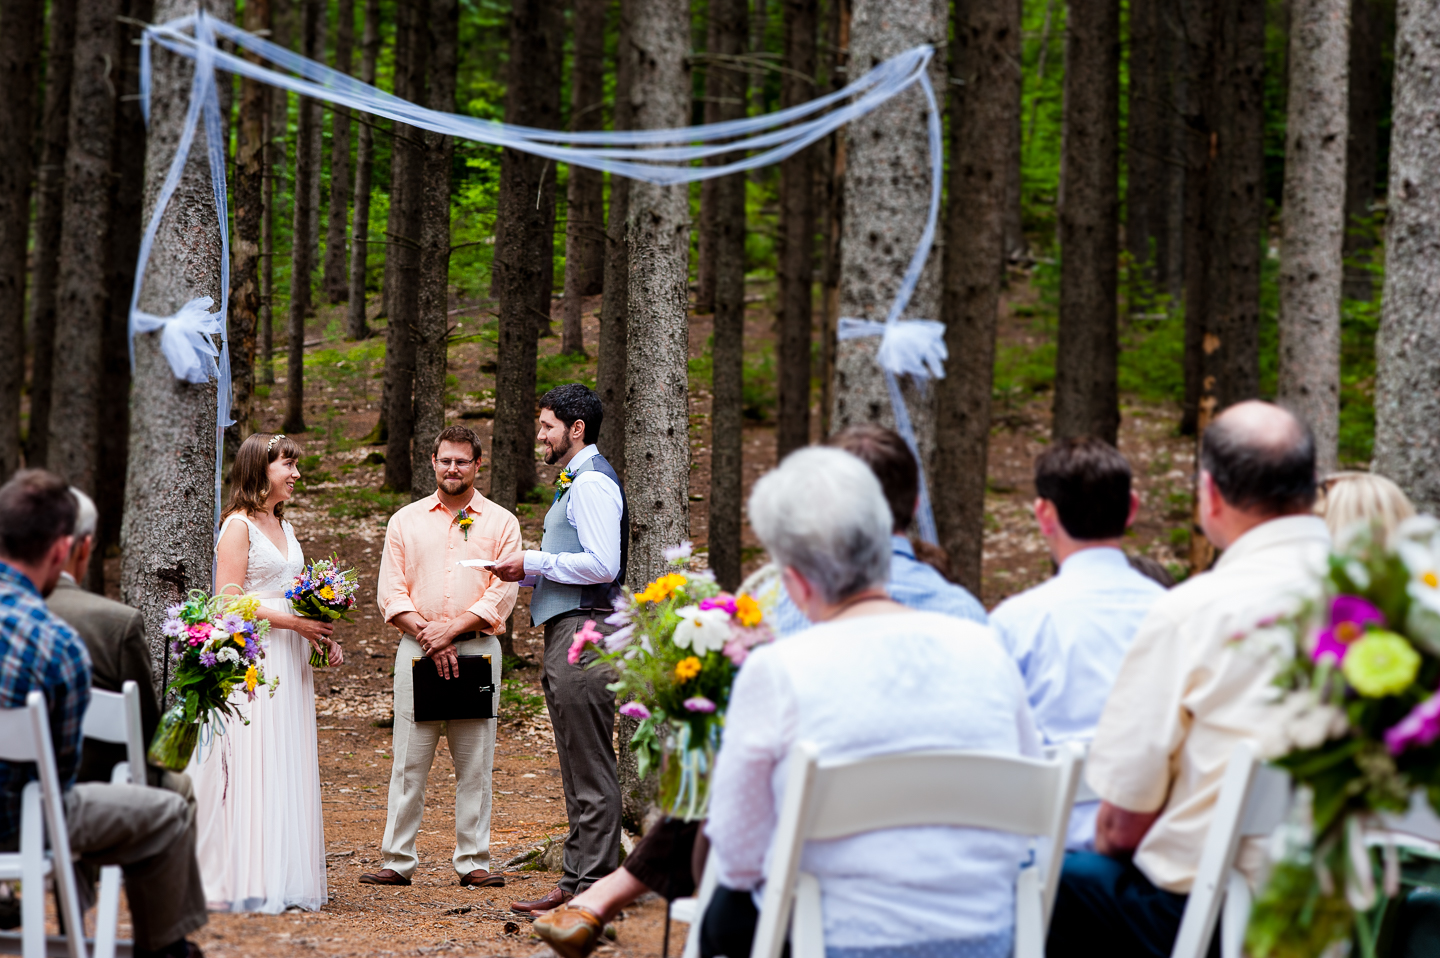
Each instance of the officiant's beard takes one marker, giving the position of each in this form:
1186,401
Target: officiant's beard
455,487
553,456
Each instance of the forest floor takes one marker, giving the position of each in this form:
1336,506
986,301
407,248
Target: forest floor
341,508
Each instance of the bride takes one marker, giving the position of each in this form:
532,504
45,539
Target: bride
259,837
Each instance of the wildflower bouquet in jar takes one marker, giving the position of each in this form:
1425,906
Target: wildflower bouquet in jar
323,592
679,643
216,646
1358,728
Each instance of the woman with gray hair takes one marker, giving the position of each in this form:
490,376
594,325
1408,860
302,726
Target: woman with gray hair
869,677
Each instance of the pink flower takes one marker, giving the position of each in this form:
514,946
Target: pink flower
1420,727
199,632
737,650
699,703
585,635
1349,616
721,601
635,710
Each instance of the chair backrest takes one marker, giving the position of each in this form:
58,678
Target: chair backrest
964,789
52,799
115,717
1253,802
17,737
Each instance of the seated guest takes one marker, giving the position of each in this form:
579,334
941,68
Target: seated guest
1348,499
148,832
114,635
1187,693
870,677
912,582
1069,634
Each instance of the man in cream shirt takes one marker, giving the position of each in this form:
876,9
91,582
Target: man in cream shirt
1187,692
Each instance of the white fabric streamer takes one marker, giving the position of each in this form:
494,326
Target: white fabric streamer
187,338
914,348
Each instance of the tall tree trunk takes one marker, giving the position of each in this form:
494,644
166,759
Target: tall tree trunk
430,334
1407,391
797,231
585,196
759,30
249,186
887,192
610,364
729,29
715,80
356,326
307,218
1368,22
1173,47
984,97
168,530
527,205
402,261
1198,151
657,388
1087,401
1147,148
333,279
838,39
1016,247
277,124
84,298
19,76
49,208
1313,221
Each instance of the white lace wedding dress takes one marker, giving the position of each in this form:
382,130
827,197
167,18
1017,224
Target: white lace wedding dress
259,835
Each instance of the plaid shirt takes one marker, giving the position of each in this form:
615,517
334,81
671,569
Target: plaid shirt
38,652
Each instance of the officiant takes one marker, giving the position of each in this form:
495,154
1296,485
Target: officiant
450,614
576,574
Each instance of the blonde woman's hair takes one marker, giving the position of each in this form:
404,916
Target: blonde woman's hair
1349,498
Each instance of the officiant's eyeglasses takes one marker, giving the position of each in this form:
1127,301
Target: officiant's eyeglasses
455,463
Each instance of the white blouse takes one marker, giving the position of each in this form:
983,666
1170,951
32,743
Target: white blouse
871,686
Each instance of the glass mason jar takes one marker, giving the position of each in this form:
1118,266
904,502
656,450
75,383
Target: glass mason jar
685,766
175,740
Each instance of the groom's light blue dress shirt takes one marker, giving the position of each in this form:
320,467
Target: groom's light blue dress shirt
1069,636
912,583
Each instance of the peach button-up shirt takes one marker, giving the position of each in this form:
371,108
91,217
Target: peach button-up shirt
419,570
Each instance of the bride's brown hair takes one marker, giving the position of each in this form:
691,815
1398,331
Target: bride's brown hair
250,476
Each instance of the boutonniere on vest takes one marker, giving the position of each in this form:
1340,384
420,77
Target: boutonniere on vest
464,520
563,482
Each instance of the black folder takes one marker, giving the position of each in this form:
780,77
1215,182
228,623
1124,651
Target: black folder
469,696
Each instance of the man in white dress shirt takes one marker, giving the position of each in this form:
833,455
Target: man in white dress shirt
1070,634
576,574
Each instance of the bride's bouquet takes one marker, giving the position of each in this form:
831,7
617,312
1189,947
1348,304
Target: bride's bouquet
323,592
216,646
679,645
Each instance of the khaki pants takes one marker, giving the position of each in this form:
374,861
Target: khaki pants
150,834
472,749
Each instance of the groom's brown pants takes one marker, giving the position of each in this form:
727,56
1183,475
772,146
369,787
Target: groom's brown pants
582,713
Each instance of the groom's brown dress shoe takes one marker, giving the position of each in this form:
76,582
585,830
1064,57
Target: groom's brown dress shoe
554,899
572,932
385,876
480,878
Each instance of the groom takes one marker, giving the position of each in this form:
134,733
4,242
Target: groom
444,610
576,574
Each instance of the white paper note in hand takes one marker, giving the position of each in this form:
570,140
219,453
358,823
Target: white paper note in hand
477,563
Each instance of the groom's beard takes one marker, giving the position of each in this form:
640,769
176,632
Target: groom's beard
454,487
557,451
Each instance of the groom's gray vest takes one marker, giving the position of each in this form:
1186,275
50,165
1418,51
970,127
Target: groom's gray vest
553,598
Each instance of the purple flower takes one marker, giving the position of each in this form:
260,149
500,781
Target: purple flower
1420,727
699,703
173,611
726,603
618,639
207,658
1349,617
232,623
635,710
172,627
678,553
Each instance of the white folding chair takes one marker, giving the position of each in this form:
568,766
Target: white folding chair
1253,802
963,789
692,910
115,717
25,737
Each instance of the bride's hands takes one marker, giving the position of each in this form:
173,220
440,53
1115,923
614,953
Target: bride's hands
313,630
337,654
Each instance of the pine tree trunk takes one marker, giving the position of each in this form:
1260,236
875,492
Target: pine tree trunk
584,199
1313,221
19,77
249,200
610,364
168,531
356,326
1016,248
657,388
729,29
83,299
430,334
1368,28
1407,392
887,193
759,35
334,281
984,97
525,261
1198,28
797,231
838,41
307,218
715,80
49,208
1147,149
402,260
277,125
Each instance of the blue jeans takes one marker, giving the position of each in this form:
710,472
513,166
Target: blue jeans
1107,906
